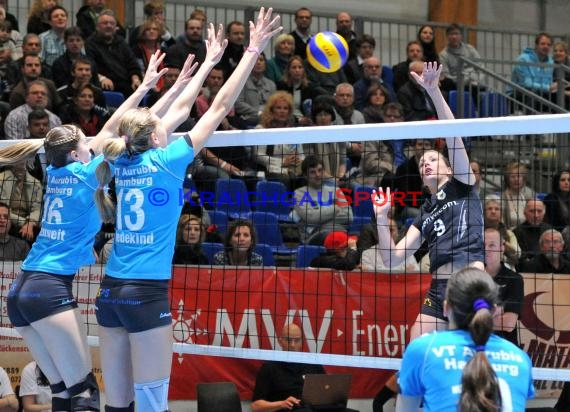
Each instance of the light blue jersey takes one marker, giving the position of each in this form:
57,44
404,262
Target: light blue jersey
70,221
149,203
433,365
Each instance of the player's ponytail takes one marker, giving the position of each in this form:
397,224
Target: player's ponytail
471,296
20,151
112,148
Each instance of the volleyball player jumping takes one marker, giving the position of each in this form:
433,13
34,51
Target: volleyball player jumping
40,302
451,221
133,309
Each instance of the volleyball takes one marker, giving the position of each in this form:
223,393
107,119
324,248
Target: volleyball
327,51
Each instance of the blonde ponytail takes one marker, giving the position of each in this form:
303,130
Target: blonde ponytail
112,149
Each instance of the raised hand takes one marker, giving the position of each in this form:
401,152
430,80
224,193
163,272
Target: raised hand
187,71
429,79
381,202
152,76
264,29
216,44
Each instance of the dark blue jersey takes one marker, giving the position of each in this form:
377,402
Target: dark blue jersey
452,223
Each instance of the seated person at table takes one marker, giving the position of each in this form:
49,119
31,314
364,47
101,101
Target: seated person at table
279,385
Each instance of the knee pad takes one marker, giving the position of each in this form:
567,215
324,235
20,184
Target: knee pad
83,403
60,404
152,396
130,408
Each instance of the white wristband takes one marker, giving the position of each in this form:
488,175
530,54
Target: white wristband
224,163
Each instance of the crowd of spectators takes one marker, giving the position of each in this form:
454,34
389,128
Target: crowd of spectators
55,72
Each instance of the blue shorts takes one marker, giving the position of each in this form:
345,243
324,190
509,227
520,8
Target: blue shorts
37,295
433,303
136,305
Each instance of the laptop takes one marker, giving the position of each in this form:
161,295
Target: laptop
326,391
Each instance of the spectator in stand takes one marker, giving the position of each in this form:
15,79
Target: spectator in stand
38,18
332,155
414,52
550,257
481,187
239,245
372,259
16,125
515,193
53,43
377,160
88,15
31,71
154,10
9,16
493,220
284,46
561,56
408,181
353,69
10,35
235,33
295,82
528,232
449,58
7,396
189,238
344,28
114,59
376,98
392,113
347,114
281,162
536,78
325,83
31,44
12,248
316,218
415,101
191,42
557,202
254,95
84,113
148,42
511,287
62,66
23,193
372,72
426,37
38,126
81,74
8,70
302,33
217,162
35,392
341,253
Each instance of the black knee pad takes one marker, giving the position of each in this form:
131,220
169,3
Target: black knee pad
82,403
60,404
130,408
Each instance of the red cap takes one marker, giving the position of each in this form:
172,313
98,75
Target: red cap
336,241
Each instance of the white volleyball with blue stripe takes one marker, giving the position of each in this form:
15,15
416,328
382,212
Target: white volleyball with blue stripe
327,51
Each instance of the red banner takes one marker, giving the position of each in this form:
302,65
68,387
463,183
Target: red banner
350,313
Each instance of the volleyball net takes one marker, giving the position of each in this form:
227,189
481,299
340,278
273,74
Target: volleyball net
226,318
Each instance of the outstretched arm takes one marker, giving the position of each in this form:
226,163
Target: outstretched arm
151,77
260,34
392,254
458,158
180,109
161,107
